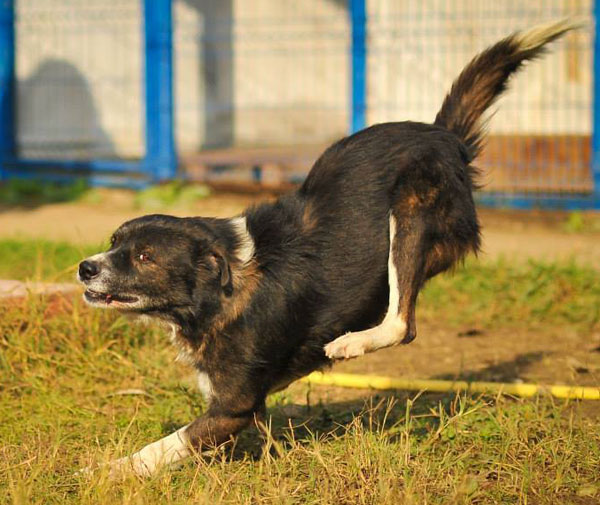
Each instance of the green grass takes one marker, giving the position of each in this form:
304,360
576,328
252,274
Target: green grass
38,259
170,195
579,222
32,193
508,293
59,375
27,192
65,370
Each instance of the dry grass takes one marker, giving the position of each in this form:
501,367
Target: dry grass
65,372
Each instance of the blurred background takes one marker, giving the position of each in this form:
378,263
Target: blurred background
246,94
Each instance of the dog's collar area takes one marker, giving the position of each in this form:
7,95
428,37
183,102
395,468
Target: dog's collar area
245,249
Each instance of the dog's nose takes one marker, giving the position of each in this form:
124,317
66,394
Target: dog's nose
88,270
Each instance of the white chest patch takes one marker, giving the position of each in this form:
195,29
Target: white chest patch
185,354
205,386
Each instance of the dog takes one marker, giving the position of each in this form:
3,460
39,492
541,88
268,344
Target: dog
327,272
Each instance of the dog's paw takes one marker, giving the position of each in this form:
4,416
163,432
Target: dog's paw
85,472
350,345
119,469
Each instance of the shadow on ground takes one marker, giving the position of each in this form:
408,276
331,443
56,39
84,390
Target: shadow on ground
380,411
505,371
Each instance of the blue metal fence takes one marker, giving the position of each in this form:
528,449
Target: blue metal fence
7,63
217,74
595,165
158,162
359,64
538,145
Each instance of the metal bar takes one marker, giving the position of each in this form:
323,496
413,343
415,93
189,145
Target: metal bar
538,201
7,82
358,19
596,106
161,159
74,165
104,180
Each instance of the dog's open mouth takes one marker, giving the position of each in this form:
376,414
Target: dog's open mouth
108,298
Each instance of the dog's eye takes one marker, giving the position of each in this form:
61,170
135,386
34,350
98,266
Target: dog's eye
144,258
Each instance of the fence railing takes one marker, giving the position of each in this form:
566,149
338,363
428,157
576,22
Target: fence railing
138,91
57,60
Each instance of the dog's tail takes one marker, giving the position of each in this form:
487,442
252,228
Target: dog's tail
485,78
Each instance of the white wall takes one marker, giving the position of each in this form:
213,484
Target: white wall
79,78
265,72
280,75
418,48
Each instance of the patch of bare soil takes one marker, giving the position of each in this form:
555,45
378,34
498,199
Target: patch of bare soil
82,222
538,234
538,355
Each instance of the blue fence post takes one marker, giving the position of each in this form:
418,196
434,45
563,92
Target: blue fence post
161,159
7,83
358,18
596,111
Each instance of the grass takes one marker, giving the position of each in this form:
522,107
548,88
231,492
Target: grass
39,259
579,222
502,292
170,195
62,372
31,192
66,401
61,410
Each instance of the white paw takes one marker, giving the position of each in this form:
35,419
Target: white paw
84,472
120,468
350,345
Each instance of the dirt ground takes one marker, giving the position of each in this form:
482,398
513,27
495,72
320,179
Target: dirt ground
530,355
550,355
515,234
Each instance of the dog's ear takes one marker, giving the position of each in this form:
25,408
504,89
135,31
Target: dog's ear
224,273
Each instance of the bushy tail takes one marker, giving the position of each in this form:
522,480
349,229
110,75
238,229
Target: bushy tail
485,78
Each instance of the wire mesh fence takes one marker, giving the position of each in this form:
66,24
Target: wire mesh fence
260,73
79,79
267,83
539,138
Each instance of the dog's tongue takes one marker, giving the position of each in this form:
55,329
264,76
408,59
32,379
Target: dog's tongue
108,299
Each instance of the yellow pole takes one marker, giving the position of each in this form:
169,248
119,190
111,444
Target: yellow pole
441,386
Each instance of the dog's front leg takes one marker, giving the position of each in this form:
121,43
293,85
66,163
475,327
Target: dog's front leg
166,451
206,432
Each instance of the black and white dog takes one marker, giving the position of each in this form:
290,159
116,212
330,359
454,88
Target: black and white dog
330,271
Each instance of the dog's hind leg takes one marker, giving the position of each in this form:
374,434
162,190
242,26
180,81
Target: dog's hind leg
406,275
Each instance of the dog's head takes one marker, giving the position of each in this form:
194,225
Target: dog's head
157,264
